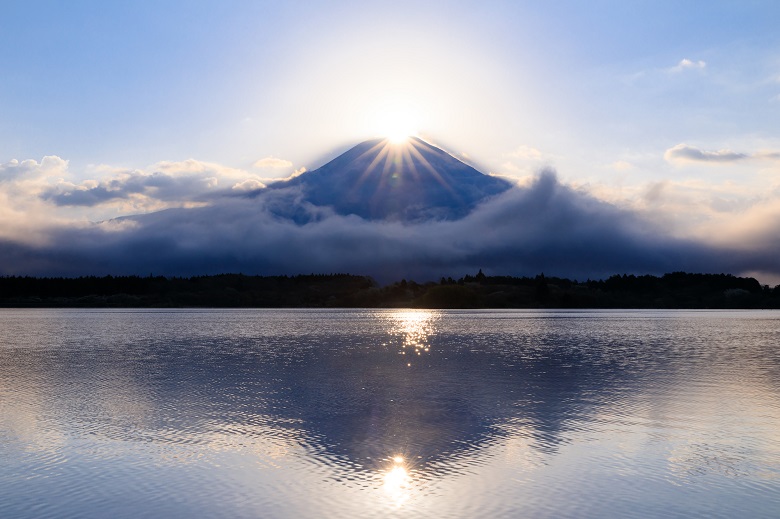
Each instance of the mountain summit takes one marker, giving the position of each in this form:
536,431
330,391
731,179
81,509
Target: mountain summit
408,181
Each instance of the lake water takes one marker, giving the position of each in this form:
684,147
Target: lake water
390,413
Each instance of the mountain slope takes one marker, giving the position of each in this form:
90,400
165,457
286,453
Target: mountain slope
411,181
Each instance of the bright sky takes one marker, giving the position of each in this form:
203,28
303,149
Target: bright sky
663,107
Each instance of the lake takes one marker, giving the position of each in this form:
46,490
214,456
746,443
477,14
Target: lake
389,413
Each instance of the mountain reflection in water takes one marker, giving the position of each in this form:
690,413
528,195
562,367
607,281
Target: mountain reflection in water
311,413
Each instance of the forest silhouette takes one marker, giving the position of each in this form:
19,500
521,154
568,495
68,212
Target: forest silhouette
673,290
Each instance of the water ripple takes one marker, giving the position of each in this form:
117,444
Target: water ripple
389,413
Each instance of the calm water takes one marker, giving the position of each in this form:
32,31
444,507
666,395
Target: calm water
306,413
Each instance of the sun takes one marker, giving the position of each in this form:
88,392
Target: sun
396,123
399,136
398,128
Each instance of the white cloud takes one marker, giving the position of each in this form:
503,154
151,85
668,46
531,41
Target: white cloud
250,184
272,163
168,184
190,166
38,196
686,64
298,172
522,161
23,215
526,153
50,166
726,215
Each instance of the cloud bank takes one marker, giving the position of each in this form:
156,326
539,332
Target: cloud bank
201,218
543,227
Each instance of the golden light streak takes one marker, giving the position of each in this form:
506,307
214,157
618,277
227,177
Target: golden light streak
391,161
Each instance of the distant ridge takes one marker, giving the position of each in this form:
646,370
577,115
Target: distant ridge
409,182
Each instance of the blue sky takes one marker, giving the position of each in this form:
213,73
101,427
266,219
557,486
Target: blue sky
668,110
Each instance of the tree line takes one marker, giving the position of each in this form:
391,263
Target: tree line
673,290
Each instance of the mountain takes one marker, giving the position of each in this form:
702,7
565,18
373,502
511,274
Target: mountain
379,180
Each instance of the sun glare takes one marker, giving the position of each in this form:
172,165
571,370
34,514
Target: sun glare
398,137
396,123
398,130
397,482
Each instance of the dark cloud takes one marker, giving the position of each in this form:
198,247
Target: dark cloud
546,227
683,152
158,185
84,196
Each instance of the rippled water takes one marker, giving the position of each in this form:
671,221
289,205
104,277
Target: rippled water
342,413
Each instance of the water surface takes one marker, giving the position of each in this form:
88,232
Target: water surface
337,413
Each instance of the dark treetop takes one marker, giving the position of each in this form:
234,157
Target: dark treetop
675,290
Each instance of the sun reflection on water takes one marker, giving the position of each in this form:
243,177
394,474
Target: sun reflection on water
397,482
416,327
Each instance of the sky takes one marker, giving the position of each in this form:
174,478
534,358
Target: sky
658,119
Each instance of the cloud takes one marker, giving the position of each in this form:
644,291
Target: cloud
23,215
298,172
686,64
269,180
685,153
546,226
27,170
662,74
169,184
523,160
272,163
526,153
248,185
655,192
158,185
541,225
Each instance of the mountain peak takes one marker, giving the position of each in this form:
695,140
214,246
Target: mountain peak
407,181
